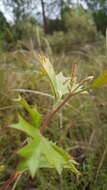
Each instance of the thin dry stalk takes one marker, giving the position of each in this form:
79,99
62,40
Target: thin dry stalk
100,164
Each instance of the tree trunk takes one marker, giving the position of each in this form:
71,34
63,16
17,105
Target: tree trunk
44,16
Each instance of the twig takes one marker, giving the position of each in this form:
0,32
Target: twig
80,146
34,92
9,181
16,182
50,115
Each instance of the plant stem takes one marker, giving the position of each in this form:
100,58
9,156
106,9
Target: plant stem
34,92
50,115
16,182
9,181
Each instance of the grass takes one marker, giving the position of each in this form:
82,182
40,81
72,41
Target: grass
80,127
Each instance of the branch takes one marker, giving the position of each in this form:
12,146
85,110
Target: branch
51,114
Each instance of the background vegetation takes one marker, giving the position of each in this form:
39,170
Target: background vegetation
69,34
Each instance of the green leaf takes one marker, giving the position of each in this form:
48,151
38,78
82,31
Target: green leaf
44,163
34,114
59,83
58,158
26,127
32,153
63,84
48,68
100,81
66,156
41,153
70,162
33,162
27,150
22,166
54,158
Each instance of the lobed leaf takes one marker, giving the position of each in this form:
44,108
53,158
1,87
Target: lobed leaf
34,114
32,153
53,157
41,153
66,156
26,127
